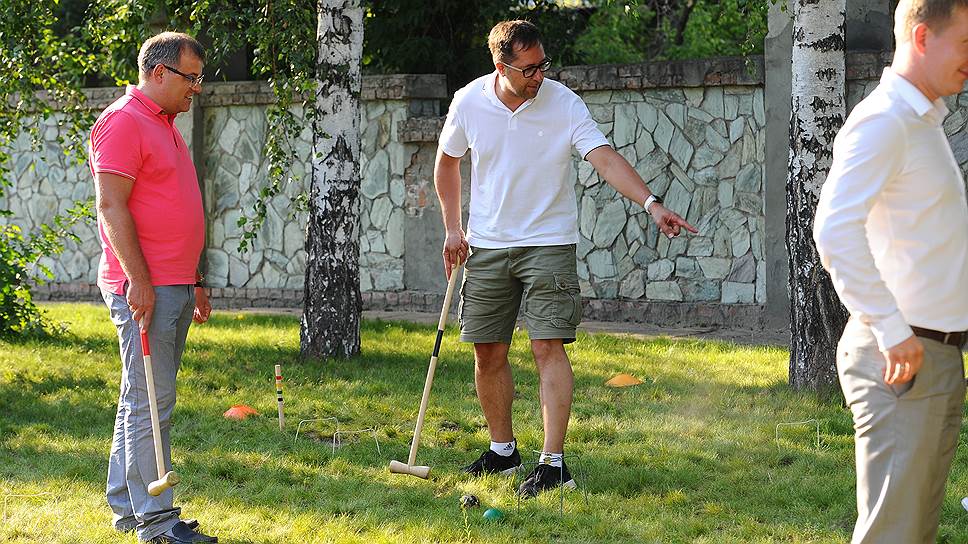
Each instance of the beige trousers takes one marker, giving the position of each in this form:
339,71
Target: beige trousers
905,437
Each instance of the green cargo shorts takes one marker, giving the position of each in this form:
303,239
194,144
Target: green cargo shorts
495,281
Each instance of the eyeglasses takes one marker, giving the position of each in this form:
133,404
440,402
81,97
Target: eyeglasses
529,72
192,80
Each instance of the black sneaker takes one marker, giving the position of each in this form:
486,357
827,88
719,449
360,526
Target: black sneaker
180,533
491,462
545,477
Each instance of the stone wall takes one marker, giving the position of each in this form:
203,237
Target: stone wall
694,130
46,182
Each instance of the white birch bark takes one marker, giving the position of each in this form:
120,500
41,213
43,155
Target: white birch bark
818,112
330,324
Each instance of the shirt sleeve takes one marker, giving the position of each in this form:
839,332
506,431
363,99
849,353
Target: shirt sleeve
585,135
867,157
453,138
116,145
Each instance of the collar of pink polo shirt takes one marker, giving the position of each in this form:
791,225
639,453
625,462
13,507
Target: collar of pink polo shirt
148,103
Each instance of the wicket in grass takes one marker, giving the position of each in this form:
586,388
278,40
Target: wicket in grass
282,417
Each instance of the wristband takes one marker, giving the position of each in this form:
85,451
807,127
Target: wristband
650,201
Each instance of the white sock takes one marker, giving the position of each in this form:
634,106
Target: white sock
504,449
551,458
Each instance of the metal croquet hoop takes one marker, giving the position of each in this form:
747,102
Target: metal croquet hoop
338,434
579,473
776,433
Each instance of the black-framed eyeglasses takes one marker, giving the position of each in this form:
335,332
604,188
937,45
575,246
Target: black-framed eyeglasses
192,80
530,71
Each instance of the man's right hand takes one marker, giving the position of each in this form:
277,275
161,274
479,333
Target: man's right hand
141,300
455,250
903,361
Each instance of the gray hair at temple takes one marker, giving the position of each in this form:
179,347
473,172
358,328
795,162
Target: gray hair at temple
166,48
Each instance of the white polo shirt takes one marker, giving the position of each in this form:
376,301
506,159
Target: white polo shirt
892,221
522,182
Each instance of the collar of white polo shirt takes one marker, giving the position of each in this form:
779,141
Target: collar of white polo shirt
490,92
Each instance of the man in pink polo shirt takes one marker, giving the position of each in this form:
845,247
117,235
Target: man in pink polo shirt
151,226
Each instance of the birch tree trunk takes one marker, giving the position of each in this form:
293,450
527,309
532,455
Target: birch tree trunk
330,324
819,108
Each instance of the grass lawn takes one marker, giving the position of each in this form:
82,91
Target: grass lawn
688,456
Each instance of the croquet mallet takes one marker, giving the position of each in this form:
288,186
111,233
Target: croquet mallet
410,467
169,478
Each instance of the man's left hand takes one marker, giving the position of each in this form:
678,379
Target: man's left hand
203,308
669,221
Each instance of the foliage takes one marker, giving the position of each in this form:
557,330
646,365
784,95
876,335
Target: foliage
116,29
722,28
283,41
446,37
20,270
35,56
617,33
412,36
623,31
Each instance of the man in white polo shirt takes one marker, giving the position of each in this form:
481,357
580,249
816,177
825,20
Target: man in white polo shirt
891,228
521,130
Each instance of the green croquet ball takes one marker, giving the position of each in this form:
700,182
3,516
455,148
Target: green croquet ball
493,514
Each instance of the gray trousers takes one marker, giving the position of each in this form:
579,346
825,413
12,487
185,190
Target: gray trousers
132,464
905,437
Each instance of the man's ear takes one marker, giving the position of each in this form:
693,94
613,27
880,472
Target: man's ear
157,73
919,37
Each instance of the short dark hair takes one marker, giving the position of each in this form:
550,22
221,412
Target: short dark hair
935,13
166,48
507,35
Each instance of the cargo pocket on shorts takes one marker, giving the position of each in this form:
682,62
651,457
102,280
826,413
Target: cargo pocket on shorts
567,301
541,301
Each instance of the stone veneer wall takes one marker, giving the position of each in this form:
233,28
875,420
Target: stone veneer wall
47,182
694,130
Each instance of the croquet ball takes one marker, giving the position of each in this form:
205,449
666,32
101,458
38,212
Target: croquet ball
469,501
493,514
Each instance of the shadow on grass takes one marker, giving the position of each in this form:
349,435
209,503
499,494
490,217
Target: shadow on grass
65,340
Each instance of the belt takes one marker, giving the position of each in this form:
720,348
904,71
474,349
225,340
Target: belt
956,339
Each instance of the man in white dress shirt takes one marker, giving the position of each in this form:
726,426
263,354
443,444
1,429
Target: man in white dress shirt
892,230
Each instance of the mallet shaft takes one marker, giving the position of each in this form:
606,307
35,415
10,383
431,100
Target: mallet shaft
282,416
153,405
433,366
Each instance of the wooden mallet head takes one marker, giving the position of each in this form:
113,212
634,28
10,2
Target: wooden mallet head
157,487
397,467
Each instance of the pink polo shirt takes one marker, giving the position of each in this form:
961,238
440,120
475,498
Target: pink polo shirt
135,139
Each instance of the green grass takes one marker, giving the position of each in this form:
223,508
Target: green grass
688,456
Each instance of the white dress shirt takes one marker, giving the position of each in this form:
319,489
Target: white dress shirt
522,179
892,221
